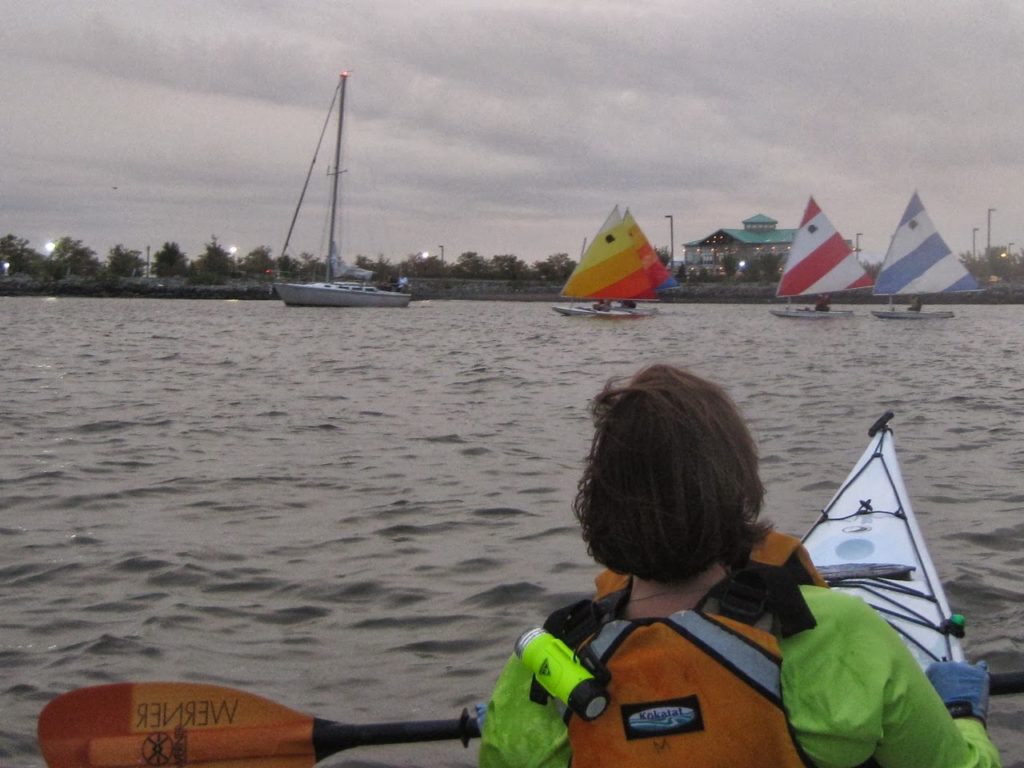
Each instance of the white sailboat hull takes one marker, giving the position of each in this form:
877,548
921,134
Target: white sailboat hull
811,314
903,314
338,295
615,313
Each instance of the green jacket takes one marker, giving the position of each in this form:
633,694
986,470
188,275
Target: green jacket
850,686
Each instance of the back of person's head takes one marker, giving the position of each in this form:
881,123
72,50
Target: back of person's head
671,484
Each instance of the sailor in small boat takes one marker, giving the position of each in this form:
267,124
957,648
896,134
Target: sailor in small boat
700,605
823,304
915,305
601,306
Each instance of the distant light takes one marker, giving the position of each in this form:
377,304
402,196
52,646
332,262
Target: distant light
51,246
233,250
424,255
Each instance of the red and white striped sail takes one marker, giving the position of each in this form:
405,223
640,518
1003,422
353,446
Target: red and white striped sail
820,260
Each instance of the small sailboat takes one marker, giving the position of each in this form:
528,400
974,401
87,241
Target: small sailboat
357,291
617,270
919,261
820,262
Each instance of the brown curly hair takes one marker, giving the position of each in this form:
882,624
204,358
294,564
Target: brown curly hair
671,483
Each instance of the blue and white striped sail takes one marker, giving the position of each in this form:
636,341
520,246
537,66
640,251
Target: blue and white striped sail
919,261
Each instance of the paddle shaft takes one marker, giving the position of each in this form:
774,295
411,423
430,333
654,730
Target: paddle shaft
1006,683
330,737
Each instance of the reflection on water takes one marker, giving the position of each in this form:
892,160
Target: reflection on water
355,513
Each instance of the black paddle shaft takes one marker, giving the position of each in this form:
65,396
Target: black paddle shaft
1006,683
330,737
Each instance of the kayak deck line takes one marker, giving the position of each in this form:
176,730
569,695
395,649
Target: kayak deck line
877,588
867,542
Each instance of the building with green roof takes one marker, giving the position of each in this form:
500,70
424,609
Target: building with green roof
760,236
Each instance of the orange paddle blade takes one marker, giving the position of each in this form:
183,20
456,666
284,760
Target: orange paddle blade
172,724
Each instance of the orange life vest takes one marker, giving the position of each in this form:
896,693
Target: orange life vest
700,687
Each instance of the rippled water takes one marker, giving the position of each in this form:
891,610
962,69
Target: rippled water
356,512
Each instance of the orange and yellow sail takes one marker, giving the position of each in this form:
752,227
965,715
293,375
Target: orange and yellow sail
619,264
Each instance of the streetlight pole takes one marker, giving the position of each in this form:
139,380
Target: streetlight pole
1009,249
988,240
974,243
442,253
856,243
671,241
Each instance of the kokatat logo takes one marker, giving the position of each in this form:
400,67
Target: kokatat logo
661,718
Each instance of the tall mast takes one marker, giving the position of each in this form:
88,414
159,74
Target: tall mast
333,248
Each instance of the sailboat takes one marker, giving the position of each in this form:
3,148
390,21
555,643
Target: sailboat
356,292
619,266
919,261
820,262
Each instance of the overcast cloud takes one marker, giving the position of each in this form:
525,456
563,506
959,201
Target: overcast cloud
506,127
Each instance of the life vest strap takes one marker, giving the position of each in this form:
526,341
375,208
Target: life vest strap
749,593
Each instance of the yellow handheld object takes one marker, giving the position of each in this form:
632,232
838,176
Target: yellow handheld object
561,674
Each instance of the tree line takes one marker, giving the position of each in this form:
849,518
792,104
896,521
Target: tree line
68,257
216,265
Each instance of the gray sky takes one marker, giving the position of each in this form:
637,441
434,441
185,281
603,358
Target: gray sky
508,126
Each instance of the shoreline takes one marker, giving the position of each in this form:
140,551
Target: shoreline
452,289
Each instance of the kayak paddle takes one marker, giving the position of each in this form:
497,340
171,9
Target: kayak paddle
194,724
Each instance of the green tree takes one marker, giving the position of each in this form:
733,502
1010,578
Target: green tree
287,266
122,262
418,265
311,268
383,270
556,268
258,262
729,264
1003,264
765,268
214,265
470,264
71,257
21,260
507,266
170,261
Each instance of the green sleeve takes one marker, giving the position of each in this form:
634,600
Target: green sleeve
517,733
876,701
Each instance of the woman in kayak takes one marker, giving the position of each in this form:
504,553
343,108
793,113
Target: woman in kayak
715,638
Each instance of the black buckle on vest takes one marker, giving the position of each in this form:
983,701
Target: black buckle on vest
743,597
749,593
